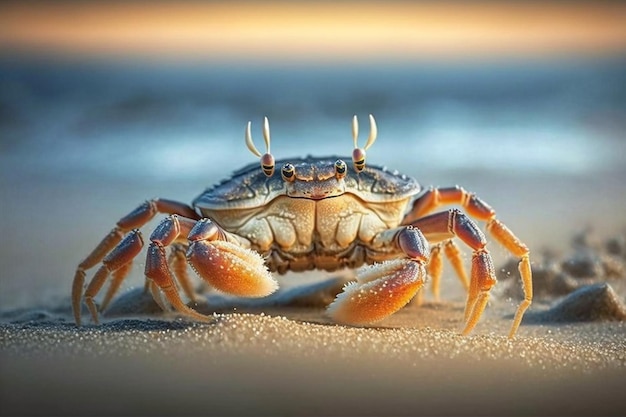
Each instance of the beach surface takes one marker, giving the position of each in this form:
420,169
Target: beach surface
293,361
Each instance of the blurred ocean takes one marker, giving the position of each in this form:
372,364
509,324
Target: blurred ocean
81,144
166,121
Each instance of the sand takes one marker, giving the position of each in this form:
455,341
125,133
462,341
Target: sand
272,365
291,360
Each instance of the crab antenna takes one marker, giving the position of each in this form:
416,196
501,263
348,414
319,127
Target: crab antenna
249,143
355,130
266,134
373,133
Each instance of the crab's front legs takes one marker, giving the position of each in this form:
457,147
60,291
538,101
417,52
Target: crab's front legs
384,288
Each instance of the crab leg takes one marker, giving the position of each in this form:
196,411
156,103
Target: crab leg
435,266
134,220
178,262
477,208
157,269
434,269
384,288
117,277
455,223
116,260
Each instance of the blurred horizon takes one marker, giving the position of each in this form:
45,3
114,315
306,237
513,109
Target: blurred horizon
312,31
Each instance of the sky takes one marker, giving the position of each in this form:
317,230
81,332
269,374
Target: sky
312,31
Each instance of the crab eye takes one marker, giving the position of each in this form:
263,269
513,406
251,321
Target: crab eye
340,168
288,172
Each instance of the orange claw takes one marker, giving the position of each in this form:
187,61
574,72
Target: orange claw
231,268
380,290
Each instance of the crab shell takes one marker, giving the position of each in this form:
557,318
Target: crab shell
315,219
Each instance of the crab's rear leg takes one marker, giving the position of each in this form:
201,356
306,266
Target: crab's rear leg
134,220
384,288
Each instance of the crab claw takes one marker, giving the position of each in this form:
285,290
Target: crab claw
380,290
231,268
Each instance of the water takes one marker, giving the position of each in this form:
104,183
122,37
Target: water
82,143
167,121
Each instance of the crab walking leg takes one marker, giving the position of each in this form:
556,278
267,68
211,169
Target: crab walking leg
455,223
384,288
153,289
519,249
453,254
434,198
157,268
121,255
477,208
435,266
225,264
134,220
178,264
434,269
116,281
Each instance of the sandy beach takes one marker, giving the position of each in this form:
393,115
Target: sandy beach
295,362
568,359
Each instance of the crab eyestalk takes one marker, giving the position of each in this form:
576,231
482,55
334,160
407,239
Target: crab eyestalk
288,172
340,169
358,154
267,160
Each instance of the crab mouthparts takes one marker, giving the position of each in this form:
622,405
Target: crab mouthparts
318,196
314,195
314,191
321,193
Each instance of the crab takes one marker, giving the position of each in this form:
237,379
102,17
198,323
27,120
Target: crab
311,213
